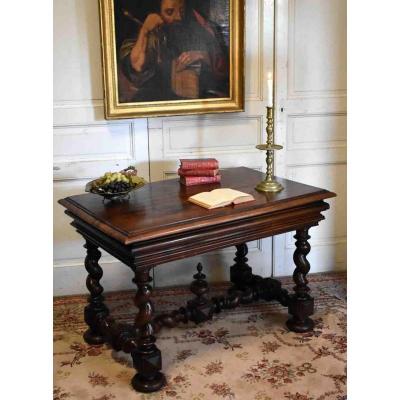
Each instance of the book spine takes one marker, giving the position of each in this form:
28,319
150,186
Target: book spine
197,172
199,180
199,164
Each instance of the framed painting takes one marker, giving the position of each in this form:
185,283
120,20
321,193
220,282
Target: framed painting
172,57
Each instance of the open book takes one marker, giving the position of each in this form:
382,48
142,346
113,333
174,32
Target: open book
220,198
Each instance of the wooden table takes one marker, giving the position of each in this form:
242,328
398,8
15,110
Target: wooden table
158,225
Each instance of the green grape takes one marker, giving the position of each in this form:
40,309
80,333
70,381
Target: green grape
112,182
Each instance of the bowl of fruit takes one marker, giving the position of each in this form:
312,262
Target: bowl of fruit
116,185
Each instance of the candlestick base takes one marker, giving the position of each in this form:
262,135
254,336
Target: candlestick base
269,186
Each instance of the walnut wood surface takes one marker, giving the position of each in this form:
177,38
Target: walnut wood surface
301,304
96,309
146,357
160,209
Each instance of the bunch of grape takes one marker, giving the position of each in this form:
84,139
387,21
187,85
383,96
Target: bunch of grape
117,182
116,187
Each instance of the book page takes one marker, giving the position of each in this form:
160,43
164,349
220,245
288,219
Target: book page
206,205
220,197
210,198
229,193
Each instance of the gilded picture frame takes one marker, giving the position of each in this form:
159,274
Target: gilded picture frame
191,97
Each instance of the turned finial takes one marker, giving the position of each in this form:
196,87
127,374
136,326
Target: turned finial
199,276
199,287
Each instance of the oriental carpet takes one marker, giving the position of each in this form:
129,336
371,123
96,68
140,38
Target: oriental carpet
246,353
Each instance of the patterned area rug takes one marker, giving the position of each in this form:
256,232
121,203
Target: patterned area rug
246,353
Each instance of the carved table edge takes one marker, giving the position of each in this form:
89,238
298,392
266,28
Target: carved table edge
126,238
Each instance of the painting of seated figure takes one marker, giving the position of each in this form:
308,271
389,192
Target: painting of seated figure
169,57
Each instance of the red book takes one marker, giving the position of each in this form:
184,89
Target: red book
198,172
199,180
199,163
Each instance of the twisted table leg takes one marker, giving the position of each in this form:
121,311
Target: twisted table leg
146,357
301,304
96,310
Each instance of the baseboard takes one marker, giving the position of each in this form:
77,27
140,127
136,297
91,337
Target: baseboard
70,278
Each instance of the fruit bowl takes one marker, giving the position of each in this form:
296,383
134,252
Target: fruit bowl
116,185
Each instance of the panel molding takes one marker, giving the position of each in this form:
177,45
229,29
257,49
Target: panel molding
78,262
318,242
329,240
292,93
84,129
305,164
84,166
170,152
294,144
70,279
257,95
78,103
82,112
291,167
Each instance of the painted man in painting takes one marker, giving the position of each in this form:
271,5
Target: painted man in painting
177,54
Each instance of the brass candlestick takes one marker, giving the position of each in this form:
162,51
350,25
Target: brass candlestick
269,184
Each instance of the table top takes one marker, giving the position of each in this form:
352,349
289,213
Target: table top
161,208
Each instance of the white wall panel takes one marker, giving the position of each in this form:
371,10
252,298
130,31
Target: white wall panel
328,240
315,138
97,142
311,121
67,243
67,113
317,48
69,274
87,151
316,131
212,136
331,177
76,53
254,50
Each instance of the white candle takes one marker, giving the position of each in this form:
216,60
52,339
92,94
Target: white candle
270,84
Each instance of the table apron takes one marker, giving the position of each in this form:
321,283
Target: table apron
148,254
188,245
120,251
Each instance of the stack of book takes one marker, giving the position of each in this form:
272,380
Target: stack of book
199,171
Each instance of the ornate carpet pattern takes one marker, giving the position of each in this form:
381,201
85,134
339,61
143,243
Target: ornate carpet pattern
246,353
